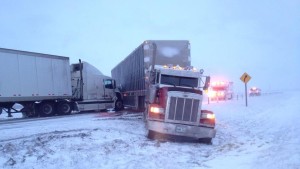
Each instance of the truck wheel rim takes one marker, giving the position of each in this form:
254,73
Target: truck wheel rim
119,104
47,109
65,108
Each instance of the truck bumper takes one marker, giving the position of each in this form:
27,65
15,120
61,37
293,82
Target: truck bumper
181,130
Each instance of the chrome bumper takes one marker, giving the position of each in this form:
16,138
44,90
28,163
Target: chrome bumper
181,130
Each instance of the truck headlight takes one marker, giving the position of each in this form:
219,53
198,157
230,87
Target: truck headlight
207,116
158,110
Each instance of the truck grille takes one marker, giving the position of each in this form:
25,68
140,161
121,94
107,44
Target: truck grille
183,109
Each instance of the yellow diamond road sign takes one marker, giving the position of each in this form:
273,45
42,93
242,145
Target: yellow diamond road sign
245,78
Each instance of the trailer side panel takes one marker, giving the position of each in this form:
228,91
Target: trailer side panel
28,76
130,73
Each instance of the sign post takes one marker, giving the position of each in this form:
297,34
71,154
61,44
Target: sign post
245,78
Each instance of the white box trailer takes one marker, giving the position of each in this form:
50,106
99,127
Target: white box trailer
41,83
27,76
47,84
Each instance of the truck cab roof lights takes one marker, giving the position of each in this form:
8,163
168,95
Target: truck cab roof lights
188,68
177,67
192,68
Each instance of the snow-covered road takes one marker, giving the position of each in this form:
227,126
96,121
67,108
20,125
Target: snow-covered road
263,135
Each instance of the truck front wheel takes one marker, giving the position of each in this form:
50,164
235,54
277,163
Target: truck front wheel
64,108
119,105
46,109
205,140
151,135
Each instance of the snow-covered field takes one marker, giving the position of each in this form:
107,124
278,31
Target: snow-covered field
266,134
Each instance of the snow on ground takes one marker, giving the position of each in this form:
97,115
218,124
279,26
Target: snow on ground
263,135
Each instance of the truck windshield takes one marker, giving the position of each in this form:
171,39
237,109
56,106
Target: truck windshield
179,81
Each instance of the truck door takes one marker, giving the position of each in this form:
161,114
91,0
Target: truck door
109,86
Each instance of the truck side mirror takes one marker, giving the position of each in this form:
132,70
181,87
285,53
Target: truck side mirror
207,82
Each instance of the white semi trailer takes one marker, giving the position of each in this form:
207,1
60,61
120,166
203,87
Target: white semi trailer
46,85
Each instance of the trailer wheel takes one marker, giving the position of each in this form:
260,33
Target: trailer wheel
64,108
46,109
119,105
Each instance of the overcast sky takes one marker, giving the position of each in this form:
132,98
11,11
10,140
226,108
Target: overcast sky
228,37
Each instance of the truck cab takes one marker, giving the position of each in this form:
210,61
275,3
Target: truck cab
92,90
254,91
157,78
175,101
220,90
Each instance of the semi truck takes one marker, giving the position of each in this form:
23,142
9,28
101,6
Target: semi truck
157,78
254,91
45,85
220,90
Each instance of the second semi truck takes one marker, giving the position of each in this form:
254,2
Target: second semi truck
47,84
157,77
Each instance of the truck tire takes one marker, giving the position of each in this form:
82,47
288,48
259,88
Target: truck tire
151,135
46,109
205,140
64,108
119,105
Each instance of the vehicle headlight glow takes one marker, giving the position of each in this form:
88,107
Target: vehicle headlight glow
207,116
157,110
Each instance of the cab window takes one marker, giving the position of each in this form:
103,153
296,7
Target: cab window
108,84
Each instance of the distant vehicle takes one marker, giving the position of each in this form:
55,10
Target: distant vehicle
157,77
47,84
254,91
220,90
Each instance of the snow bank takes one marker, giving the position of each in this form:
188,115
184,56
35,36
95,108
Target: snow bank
264,135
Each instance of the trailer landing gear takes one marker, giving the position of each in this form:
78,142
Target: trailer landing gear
9,112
